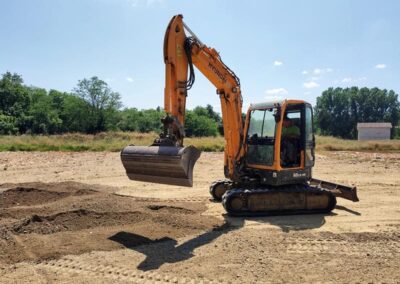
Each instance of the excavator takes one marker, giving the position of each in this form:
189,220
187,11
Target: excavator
268,158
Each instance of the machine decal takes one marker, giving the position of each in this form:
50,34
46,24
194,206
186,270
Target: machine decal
217,72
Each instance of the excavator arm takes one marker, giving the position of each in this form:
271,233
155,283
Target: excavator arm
167,160
181,53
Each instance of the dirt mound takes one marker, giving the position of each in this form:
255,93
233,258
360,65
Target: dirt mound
169,208
40,193
75,220
29,196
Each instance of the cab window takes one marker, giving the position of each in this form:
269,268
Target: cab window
261,137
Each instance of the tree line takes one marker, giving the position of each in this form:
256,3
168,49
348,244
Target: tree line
91,107
338,110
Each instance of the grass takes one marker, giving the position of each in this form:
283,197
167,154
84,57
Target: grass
109,141
115,141
328,143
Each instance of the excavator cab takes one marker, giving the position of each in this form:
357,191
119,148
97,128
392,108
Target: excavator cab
280,142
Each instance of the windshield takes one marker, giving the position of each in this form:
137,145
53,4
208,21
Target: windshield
262,123
261,137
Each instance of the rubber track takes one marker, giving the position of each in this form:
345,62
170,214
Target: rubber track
244,193
214,184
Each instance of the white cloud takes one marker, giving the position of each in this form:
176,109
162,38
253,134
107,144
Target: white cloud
129,79
320,71
276,92
278,63
310,85
317,71
304,72
353,80
380,66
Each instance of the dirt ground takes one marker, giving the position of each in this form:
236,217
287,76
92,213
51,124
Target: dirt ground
76,218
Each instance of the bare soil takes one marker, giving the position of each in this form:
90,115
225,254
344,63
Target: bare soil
76,217
36,230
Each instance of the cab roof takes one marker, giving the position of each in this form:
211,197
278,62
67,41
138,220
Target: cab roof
274,103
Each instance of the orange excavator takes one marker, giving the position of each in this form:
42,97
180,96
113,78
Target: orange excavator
267,159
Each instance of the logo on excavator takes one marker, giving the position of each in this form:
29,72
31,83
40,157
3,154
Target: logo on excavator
179,50
297,175
217,72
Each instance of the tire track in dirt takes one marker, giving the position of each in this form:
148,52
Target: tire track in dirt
69,265
25,249
166,200
389,249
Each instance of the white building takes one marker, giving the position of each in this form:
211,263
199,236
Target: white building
374,130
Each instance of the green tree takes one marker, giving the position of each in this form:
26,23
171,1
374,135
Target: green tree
74,114
150,120
209,112
45,118
7,124
199,125
128,119
338,110
14,103
102,100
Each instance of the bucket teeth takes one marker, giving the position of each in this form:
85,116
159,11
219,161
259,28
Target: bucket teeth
160,164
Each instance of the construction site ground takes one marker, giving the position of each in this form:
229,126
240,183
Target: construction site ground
76,218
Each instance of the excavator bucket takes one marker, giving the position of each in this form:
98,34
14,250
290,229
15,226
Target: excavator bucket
160,164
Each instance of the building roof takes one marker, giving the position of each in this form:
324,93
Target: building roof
374,125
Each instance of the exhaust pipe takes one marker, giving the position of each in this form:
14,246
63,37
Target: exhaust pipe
160,164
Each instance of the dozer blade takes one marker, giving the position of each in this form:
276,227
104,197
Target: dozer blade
339,190
160,164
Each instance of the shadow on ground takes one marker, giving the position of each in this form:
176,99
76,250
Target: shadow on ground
348,210
167,250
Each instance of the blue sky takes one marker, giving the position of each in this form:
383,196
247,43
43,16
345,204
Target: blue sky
292,49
